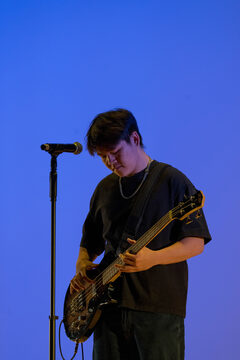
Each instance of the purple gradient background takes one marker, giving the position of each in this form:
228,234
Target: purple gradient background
175,65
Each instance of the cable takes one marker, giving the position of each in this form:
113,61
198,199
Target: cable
82,351
76,347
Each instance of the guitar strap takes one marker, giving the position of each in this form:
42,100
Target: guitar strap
135,218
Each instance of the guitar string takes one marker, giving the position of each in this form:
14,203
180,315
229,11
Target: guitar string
111,271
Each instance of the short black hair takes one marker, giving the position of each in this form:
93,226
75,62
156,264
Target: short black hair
108,128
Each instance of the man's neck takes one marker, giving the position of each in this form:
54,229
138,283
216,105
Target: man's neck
142,162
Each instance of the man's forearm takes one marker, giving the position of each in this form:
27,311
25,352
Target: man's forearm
83,256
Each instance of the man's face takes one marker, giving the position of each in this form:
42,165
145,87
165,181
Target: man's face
122,159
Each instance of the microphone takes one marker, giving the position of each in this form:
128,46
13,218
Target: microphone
74,148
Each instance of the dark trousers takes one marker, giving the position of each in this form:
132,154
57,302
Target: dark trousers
124,334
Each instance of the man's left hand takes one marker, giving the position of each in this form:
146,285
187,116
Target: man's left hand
141,261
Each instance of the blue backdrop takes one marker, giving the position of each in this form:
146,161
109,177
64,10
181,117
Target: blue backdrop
175,65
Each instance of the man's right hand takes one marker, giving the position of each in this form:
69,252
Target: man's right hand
80,280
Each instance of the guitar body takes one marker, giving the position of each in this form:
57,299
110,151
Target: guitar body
79,322
83,309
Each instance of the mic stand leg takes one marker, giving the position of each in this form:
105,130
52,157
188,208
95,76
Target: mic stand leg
53,198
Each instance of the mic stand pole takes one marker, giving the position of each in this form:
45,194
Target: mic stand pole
53,198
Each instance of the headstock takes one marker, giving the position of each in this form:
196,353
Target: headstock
188,206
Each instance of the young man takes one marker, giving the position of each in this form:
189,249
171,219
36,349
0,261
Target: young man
147,322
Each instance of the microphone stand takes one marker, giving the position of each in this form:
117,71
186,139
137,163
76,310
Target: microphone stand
54,150
53,198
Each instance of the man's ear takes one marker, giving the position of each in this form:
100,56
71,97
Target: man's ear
135,138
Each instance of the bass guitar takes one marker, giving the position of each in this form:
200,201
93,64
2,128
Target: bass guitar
83,309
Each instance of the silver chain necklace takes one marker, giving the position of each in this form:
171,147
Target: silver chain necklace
139,186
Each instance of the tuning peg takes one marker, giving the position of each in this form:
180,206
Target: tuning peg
198,214
188,220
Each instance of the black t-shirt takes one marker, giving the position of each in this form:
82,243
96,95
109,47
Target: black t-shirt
163,288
